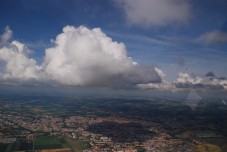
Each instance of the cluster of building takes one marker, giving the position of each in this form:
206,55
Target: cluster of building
75,127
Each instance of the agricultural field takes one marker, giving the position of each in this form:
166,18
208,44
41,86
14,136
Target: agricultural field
46,142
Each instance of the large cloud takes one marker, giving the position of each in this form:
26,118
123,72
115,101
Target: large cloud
155,12
213,37
88,57
80,57
15,61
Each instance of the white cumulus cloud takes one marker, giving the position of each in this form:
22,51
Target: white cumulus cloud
208,81
15,61
187,78
88,57
156,12
79,57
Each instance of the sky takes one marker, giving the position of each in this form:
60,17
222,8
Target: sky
117,43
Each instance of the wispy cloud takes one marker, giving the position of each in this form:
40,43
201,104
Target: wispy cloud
6,36
213,37
142,38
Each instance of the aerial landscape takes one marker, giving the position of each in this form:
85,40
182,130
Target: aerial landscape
113,76
93,122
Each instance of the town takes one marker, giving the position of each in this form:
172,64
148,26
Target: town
36,126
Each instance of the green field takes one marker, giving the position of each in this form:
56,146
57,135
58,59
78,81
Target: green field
46,142
77,145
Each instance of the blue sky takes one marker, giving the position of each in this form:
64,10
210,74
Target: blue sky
176,36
